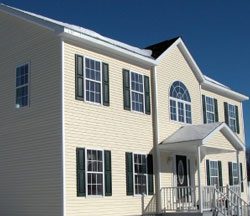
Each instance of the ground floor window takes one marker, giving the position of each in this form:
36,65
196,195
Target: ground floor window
235,178
214,173
94,172
140,174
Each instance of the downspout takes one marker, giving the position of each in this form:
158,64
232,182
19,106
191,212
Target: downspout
157,165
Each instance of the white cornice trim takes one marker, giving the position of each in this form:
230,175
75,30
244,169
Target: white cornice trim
97,43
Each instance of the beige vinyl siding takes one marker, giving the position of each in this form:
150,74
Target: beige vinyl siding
30,137
175,68
109,128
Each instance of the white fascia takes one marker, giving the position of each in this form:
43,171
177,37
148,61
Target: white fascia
103,45
206,85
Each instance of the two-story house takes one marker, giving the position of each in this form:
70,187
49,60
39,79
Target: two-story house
93,126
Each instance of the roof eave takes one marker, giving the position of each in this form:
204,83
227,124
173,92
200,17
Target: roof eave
103,45
206,85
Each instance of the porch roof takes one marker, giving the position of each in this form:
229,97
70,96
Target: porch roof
191,136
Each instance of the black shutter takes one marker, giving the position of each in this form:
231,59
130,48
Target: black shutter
226,112
237,119
216,115
105,84
150,174
80,164
204,109
241,178
126,89
108,173
230,169
220,174
208,172
129,174
147,95
79,77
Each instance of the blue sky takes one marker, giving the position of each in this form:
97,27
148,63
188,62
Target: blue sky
217,33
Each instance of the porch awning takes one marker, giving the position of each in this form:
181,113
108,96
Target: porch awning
189,137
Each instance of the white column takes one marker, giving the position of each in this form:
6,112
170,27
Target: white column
238,169
199,178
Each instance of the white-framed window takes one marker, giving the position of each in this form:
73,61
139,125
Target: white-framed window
235,174
210,109
137,92
93,81
140,173
22,85
232,122
94,172
214,173
180,103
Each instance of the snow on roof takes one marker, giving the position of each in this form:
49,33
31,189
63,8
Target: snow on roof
215,82
144,52
191,132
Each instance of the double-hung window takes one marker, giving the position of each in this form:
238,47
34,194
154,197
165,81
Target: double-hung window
22,86
180,103
137,92
93,80
140,173
235,178
94,172
232,117
214,173
210,109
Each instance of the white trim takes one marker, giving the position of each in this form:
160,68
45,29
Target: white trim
102,45
63,131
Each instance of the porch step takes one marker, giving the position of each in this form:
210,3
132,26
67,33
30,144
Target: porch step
182,214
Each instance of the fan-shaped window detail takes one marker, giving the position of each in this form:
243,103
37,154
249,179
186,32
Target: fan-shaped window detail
180,103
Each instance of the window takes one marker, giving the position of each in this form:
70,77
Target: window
232,117
214,173
140,174
22,86
210,109
235,179
180,103
93,80
94,172
137,92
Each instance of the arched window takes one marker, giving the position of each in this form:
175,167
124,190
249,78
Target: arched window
180,103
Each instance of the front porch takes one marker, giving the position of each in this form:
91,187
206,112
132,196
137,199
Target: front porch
194,173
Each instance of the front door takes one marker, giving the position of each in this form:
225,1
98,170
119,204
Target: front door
183,193
181,171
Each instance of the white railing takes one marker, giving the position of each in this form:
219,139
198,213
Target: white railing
179,198
208,197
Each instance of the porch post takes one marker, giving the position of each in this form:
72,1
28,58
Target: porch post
238,170
199,178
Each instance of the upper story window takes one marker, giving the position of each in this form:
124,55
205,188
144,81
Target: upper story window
180,103
92,80
136,92
22,86
232,117
210,109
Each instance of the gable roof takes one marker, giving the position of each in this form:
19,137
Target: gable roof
202,133
65,29
150,56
